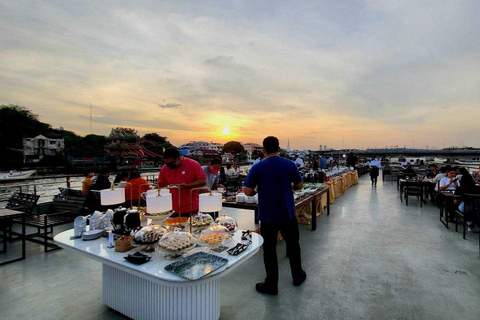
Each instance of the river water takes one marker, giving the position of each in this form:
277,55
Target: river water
47,188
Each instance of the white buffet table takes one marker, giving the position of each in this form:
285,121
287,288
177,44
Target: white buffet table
147,291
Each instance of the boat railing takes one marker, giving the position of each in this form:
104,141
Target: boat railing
46,190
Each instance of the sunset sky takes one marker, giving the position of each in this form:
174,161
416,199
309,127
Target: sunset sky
378,73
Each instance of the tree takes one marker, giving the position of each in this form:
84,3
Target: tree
155,143
257,154
154,138
233,147
16,123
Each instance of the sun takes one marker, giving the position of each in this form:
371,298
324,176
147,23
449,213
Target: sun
226,130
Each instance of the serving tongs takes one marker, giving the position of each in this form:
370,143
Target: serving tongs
239,248
247,236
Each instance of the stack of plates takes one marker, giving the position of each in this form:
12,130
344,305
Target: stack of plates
92,234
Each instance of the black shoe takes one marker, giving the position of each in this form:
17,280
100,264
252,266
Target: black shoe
262,287
299,281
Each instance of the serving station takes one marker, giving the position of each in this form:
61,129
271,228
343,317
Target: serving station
156,266
148,291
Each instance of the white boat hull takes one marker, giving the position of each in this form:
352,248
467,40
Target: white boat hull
16,175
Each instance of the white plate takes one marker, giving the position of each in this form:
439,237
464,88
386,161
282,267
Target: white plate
92,234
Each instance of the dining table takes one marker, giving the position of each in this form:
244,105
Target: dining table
447,204
307,199
6,217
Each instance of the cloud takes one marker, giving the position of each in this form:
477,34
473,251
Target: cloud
372,70
170,106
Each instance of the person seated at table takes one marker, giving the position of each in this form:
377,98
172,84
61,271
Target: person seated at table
476,176
121,179
135,187
87,182
449,183
222,176
230,171
409,169
432,172
236,168
442,174
467,186
459,174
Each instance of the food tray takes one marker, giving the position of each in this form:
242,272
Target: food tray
196,266
159,217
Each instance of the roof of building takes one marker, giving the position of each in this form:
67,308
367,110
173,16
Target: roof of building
123,133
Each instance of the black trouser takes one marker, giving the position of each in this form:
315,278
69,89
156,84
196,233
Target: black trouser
374,179
289,230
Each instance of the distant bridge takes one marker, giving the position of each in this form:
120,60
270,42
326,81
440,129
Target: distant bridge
449,154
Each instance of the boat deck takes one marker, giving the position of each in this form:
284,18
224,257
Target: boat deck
372,258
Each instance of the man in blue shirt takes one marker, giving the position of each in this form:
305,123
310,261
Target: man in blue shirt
275,178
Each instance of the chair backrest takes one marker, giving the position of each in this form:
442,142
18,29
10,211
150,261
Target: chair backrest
409,174
413,185
477,205
70,192
471,199
24,202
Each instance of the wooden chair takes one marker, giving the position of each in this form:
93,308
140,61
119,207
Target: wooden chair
62,210
70,192
394,176
23,202
477,205
470,202
413,188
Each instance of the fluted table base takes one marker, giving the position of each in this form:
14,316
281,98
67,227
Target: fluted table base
139,298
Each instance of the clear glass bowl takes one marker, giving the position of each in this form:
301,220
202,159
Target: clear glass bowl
174,222
159,217
228,222
201,221
176,242
214,236
148,235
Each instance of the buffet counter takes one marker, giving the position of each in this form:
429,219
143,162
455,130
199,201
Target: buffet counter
148,291
340,184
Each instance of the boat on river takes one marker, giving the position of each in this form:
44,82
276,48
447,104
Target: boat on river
16,175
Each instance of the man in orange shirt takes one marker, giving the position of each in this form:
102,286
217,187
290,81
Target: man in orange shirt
184,173
87,182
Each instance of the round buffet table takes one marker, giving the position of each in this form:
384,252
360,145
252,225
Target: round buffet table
148,291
